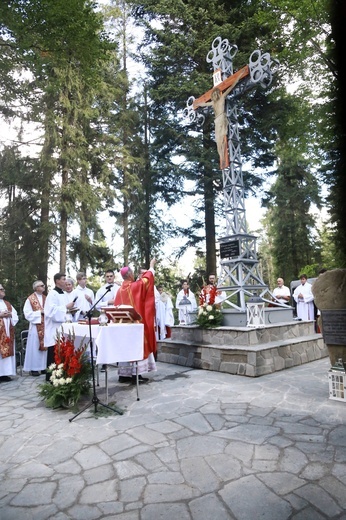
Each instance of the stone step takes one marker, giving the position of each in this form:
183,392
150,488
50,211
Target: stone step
249,348
243,335
246,360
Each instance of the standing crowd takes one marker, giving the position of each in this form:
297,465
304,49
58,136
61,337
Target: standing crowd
46,314
70,302
302,296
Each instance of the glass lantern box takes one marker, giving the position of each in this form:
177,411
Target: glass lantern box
337,381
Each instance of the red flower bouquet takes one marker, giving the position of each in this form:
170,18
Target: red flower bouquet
70,374
208,295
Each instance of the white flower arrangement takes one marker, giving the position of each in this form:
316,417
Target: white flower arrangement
209,316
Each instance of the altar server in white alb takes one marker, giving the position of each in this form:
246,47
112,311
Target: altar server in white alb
304,299
184,310
35,353
8,319
85,296
167,319
55,310
107,296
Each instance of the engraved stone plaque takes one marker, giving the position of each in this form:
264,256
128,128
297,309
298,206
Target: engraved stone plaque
334,326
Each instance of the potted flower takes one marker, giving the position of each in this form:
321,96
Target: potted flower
209,313
70,374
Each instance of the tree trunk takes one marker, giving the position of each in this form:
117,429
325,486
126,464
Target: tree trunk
48,167
209,220
44,231
147,182
63,223
209,211
84,240
126,230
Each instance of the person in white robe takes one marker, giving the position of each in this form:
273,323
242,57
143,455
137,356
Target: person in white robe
281,293
107,297
305,299
82,296
160,316
184,310
69,287
70,297
8,319
35,360
54,316
168,318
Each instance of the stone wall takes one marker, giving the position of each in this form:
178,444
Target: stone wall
243,351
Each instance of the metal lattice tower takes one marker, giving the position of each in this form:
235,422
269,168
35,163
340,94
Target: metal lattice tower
239,267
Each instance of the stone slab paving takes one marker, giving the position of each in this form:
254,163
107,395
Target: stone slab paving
198,445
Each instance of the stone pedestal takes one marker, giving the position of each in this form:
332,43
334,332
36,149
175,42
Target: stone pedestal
241,350
330,298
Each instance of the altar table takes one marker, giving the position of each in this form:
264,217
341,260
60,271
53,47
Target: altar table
115,343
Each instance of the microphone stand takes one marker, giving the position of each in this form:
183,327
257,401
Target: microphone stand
95,400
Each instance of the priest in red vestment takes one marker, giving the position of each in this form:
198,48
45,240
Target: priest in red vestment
140,295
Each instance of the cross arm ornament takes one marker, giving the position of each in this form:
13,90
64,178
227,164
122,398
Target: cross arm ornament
260,70
225,87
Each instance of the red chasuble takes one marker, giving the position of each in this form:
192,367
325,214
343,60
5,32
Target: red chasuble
140,295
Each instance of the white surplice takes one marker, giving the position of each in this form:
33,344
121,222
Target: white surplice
279,292
106,296
8,364
82,303
54,316
305,305
185,309
164,314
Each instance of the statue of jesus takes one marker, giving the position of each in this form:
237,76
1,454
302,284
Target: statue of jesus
218,102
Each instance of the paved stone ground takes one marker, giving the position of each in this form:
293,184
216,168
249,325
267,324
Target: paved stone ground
199,445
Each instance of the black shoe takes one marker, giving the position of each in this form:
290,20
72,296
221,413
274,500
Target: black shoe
34,373
125,379
141,380
5,379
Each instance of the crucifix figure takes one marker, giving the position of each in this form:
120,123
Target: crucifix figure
216,98
239,271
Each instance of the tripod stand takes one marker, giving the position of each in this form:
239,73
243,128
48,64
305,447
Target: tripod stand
95,400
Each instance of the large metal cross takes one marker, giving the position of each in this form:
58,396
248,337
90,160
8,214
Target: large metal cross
239,270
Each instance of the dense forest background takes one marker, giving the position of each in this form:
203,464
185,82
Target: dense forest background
96,91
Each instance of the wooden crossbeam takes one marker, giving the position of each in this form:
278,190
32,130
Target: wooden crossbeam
224,85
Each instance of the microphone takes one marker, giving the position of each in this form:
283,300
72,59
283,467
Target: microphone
109,287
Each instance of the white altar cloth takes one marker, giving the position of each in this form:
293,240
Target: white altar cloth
114,343
81,333
117,342
120,342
